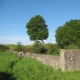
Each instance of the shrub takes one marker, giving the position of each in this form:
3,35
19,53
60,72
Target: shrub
71,46
56,52
51,48
12,46
19,47
26,49
38,47
4,48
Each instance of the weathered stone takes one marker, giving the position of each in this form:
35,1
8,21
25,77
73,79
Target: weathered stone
46,59
69,60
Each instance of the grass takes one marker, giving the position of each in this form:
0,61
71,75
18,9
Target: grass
7,60
30,69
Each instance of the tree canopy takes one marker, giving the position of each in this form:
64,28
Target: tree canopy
68,34
37,28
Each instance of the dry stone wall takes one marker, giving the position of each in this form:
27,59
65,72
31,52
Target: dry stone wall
46,59
67,61
70,60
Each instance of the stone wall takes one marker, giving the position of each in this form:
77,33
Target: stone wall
67,61
46,59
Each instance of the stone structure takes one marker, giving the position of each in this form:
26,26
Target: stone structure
46,59
67,61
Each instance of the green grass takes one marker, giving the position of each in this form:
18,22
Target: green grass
7,60
30,69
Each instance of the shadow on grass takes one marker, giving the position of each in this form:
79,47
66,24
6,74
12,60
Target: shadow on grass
6,76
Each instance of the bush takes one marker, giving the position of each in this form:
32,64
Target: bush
26,49
71,46
19,47
12,46
38,47
4,48
56,52
51,48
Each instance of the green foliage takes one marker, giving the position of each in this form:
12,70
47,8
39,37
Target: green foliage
12,46
4,48
56,52
38,47
71,46
27,49
68,34
19,47
51,49
37,29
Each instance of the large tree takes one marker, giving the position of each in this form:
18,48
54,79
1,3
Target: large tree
37,28
68,34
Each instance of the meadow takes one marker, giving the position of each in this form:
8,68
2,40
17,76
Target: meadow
14,68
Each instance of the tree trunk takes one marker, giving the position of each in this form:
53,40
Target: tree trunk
42,41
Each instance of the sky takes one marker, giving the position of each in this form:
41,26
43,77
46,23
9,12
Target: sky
14,14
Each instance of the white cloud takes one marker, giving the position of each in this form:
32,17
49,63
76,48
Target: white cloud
14,39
